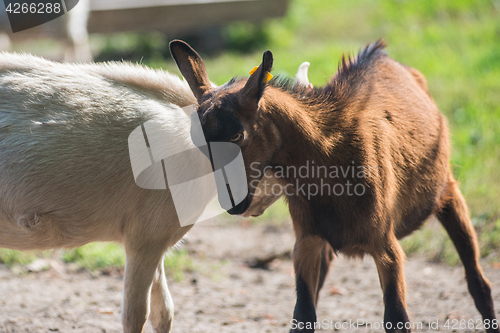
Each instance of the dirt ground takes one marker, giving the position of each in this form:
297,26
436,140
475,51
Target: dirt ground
223,294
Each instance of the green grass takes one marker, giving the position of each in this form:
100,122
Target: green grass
96,256
277,214
10,257
454,43
177,262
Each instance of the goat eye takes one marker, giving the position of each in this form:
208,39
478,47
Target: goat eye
236,138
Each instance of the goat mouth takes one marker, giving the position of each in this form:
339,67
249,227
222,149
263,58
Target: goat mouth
248,214
241,207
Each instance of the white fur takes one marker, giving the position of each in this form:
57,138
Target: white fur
65,173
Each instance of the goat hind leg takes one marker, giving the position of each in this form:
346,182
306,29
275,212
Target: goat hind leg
162,306
454,216
390,270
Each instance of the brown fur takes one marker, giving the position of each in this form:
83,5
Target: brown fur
374,113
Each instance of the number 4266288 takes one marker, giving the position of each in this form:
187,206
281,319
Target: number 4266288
33,8
453,324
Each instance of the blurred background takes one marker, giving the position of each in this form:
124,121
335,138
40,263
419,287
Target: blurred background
454,43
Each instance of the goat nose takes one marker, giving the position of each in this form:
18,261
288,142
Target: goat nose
231,181
240,208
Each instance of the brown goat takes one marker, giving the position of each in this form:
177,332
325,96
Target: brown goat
375,122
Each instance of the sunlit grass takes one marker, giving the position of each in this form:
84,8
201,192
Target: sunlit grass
96,255
177,262
276,214
10,257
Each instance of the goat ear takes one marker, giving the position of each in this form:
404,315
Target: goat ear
191,66
257,81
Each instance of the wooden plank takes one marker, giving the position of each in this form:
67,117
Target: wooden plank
98,5
167,16
184,17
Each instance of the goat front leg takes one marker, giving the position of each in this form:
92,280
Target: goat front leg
140,269
327,256
389,263
162,306
307,255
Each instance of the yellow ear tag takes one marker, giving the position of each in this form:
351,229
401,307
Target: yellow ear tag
266,79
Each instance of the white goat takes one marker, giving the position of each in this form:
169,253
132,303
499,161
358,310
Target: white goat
65,173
